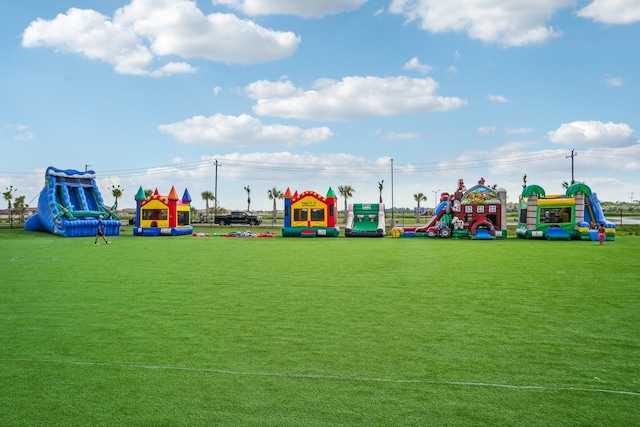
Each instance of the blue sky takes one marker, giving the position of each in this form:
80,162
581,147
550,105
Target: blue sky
317,94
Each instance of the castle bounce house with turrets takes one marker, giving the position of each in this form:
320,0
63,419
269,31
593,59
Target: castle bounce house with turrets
158,215
310,214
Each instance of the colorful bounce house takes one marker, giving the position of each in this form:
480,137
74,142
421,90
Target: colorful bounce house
70,205
365,220
158,215
573,215
479,213
309,214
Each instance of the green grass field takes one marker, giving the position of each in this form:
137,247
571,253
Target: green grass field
186,331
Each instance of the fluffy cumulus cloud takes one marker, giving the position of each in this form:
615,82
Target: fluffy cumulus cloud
612,11
395,136
548,168
243,130
497,99
517,131
614,81
584,133
20,132
350,98
415,64
92,34
506,22
307,167
146,30
306,9
486,130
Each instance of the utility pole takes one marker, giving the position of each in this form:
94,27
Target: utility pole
572,155
435,199
215,195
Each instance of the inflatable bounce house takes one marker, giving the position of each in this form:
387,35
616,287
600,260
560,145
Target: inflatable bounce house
70,204
309,214
573,215
479,213
158,215
365,220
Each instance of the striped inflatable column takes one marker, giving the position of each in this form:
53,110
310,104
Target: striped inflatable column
502,195
532,211
579,207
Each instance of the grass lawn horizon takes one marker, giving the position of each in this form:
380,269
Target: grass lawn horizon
320,332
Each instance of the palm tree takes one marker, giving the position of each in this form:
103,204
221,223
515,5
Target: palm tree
380,187
566,184
117,193
8,196
248,190
346,191
275,194
206,196
419,197
148,193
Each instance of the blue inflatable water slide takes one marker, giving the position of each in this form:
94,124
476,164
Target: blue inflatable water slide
70,204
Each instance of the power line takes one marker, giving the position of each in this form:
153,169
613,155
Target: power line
347,168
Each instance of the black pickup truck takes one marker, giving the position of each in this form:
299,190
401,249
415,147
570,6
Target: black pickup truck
238,217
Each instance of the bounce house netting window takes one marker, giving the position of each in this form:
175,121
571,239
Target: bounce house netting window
299,214
555,215
183,218
317,215
155,214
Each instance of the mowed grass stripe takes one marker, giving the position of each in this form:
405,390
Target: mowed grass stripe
328,377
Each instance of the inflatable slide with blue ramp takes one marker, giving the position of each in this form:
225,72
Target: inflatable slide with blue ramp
70,205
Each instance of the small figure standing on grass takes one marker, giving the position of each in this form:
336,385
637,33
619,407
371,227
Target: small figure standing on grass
100,232
602,234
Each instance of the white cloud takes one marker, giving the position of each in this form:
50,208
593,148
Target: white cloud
21,132
517,131
582,133
498,99
506,22
173,68
305,9
393,136
243,130
505,165
146,30
613,81
26,136
350,98
415,64
612,11
555,164
486,130
281,89
93,35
